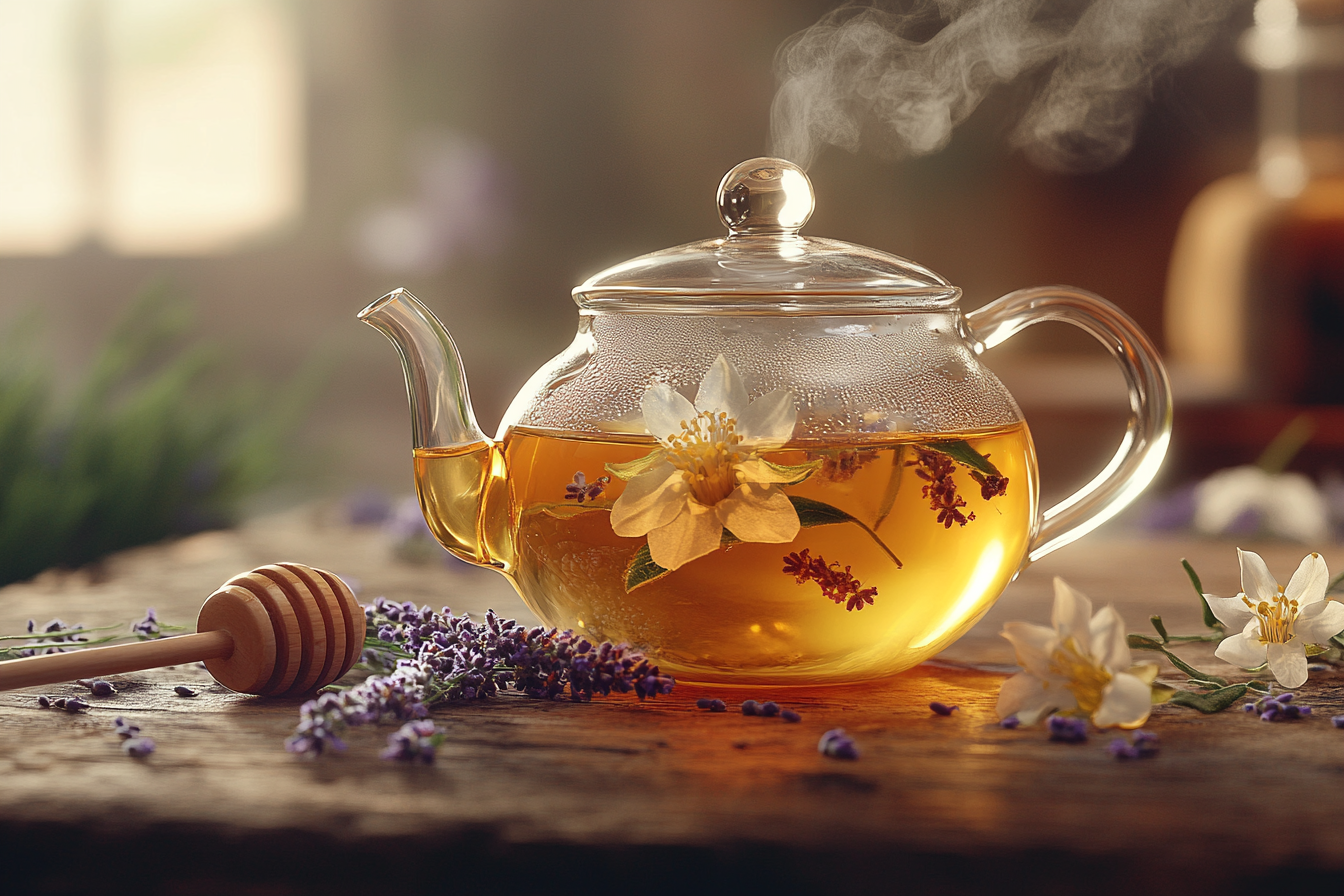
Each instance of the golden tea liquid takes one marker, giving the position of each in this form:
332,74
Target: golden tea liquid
736,615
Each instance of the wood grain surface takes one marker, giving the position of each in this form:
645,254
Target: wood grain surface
660,797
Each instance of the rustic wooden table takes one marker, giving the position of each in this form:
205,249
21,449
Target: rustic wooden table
530,796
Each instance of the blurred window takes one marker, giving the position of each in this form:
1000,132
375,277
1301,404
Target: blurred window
159,127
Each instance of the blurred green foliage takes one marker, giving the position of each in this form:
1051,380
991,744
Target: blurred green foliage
161,436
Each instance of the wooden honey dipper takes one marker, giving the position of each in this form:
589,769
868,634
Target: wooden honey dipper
279,630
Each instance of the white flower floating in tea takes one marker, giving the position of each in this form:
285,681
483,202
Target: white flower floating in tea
1275,624
707,475
1080,664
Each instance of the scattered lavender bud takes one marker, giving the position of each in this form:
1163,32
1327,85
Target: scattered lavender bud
943,709
703,703
149,626
125,729
1248,707
749,707
789,715
75,704
30,626
717,705
1067,729
838,745
1123,749
1317,667
414,742
1280,708
184,691
44,701
102,688
1010,723
138,747
1337,721
59,703
769,709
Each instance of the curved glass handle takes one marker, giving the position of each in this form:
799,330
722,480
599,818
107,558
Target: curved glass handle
1149,430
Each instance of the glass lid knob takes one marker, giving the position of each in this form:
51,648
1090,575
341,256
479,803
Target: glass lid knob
765,196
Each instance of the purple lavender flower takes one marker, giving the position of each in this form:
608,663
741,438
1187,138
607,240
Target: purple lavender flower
749,707
73,704
367,507
149,626
138,747
184,691
769,709
1279,709
124,728
717,705
1010,723
1067,729
1144,746
456,658
838,745
789,715
1337,721
581,489
414,742
703,703
102,688
943,709
64,634
44,701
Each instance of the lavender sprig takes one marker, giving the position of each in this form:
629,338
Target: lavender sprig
448,658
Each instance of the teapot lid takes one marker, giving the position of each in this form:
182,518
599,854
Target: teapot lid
764,263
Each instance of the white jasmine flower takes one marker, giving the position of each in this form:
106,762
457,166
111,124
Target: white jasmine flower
1081,664
1274,624
707,476
1286,504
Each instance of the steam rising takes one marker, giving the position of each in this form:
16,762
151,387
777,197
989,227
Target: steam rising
858,77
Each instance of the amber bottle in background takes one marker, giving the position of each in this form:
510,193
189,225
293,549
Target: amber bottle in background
1255,294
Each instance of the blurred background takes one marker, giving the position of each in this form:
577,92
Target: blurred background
281,163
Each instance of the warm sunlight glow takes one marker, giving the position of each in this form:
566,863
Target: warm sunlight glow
160,127
203,107
43,189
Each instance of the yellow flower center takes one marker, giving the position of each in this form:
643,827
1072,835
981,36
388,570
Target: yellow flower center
1087,680
1276,617
705,453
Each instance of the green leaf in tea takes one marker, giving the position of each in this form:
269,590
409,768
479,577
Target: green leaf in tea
962,452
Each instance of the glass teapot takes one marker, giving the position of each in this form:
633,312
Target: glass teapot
765,458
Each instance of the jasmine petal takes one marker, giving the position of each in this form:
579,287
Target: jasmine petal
649,501
1288,663
759,514
664,410
694,532
770,418
721,389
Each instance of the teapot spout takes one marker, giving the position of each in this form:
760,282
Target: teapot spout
441,415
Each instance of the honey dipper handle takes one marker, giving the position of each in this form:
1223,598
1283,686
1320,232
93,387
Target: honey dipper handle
52,668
